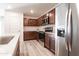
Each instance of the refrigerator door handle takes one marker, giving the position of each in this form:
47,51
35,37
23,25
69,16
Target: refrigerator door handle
69,30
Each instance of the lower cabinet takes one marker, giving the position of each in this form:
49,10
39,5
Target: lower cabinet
52,44
49,43
30,36
46,41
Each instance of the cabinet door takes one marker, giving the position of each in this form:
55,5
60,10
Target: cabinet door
30,36
26,36
52,44
25,22
46,41
52,17
33,22
30,22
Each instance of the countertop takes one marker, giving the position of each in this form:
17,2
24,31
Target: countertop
8,49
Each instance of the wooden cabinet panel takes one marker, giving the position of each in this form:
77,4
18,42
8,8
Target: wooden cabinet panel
25,22
26,36
40,21
52,17
49,43
46,41
30,22
30,36
52,44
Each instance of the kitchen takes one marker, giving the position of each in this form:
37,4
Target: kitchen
56,30
25,29
41,29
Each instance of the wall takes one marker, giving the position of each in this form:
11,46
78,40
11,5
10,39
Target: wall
31,28
1,21
12,22
1,25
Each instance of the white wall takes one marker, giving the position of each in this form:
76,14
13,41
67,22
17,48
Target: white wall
1,21
1,25
31,28
12,22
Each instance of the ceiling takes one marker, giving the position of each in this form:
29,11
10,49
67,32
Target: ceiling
38,8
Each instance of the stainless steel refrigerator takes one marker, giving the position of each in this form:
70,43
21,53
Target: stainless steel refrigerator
67,30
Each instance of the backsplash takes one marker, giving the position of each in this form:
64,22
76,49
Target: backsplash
38,28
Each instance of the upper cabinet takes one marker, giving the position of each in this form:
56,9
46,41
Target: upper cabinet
48,18
25,22
52,17
30,22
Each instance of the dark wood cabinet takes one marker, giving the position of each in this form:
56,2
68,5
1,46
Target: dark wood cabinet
30,36
30,22
46,41
52,17
26,22
40,21
52,44
49,43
